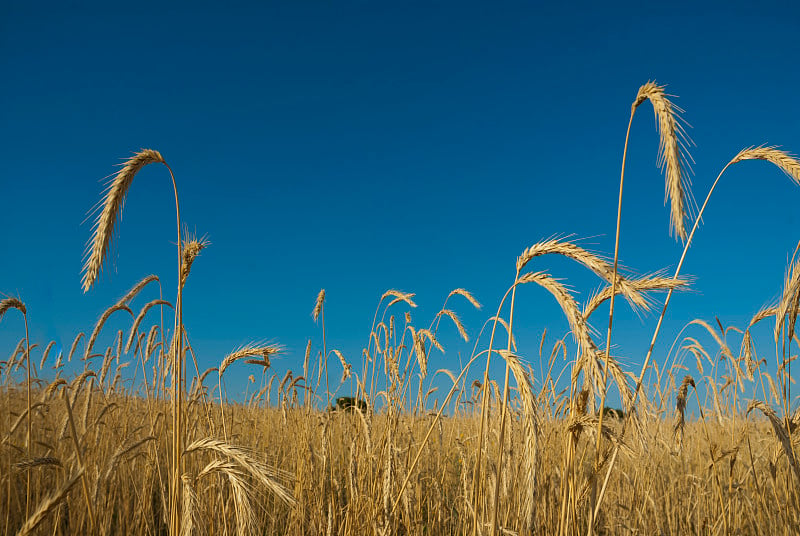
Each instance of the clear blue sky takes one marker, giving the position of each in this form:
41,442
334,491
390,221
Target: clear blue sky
364,146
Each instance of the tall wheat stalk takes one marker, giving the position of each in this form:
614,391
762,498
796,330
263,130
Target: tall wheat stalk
6,305
102,233
319,311
674,164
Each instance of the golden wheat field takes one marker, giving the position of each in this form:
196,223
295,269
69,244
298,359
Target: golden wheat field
145,442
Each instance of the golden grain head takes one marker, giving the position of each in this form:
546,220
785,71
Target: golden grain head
673,154
109,209
12,303
466,294
250,350
318,305
786,162
399,297
191,249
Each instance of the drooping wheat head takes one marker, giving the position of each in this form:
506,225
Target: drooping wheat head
110,208
673,155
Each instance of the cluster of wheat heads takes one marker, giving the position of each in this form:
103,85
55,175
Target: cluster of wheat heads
123,443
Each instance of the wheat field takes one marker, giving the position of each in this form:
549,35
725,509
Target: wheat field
142,441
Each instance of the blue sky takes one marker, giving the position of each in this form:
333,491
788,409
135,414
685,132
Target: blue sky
365,146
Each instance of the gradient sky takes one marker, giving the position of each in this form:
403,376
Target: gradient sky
363,146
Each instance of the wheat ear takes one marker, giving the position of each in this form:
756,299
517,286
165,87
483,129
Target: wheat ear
12,303
110,208
640,285
673,156
99,326
137,288
680,410
466,294
191,249
578,326
318,305
593,262
786,161
780,432
246,461
531,431
137,322
249,350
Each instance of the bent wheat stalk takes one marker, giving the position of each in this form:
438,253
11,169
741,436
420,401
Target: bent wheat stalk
102,232
673,164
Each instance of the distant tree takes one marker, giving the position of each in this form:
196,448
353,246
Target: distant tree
349,403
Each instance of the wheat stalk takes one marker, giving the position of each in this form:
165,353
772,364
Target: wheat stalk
74,345
6,305
531,431
46,353
102,232
37,462
577,323
786,312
